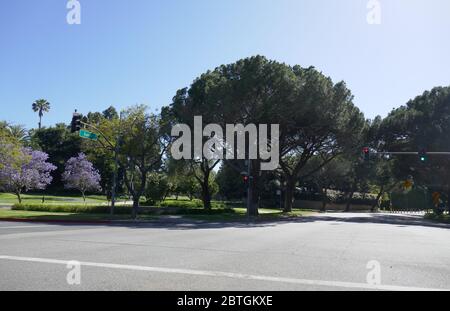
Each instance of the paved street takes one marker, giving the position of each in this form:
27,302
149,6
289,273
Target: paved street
327,252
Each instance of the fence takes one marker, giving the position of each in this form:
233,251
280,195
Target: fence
416,200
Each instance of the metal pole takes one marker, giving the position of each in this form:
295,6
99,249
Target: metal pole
116,165
281,200
411,153
114,185
249,190
115,149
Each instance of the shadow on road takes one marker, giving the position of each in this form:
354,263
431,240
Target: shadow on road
180,223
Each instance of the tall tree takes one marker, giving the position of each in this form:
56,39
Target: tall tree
239,93
110,113
423,123
316,117
186,105
24,171
144,142
81,175
319,121
41,106
10,147
381,170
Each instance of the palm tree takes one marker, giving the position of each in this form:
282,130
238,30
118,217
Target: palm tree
18,132
41,106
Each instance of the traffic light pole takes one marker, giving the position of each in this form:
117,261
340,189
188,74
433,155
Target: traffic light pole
410,153
114,185
115,149
249,189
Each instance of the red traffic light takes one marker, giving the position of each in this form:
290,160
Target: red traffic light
366,153
245,178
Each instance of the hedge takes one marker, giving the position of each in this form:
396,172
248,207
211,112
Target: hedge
194,204
199,211
71,208
182,207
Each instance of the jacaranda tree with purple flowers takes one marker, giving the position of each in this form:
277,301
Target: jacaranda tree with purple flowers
25,170
81,175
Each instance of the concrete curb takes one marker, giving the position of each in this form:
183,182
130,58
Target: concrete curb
56,221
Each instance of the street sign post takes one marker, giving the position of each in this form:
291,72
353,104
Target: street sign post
88,135
76,126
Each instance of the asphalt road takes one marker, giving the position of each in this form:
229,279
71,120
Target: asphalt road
328,252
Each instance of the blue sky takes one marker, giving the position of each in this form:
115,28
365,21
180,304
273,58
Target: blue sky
141,51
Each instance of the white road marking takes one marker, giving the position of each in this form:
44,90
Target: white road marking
226,275
37,234
23,227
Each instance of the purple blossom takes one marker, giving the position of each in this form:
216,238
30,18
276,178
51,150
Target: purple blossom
24,171
80,174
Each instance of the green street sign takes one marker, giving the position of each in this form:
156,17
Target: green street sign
88,135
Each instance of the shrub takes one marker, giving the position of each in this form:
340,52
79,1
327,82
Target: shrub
182,204
436,217
157,188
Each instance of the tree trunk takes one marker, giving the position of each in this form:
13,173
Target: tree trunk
84,196
137,194
253,183
377,201
349,201
206,195
19,197
289,195
324,199
135,210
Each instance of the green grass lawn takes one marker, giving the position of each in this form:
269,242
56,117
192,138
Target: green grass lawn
45,216
7,198
72,208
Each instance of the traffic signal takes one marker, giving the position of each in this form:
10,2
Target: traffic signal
75,125
245,177
366,154
423,156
